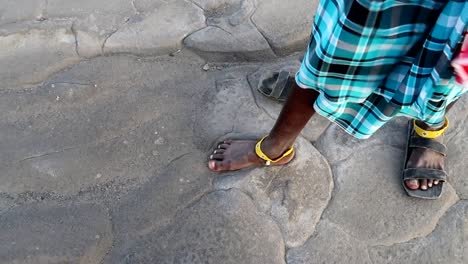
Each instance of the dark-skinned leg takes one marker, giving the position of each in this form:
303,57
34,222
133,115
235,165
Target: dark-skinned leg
238,154
424,158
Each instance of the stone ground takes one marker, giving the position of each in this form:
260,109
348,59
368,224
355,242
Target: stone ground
109,112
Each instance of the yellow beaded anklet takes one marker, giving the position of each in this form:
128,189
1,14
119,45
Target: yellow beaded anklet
428,133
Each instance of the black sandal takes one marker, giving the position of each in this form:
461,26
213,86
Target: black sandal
416,141
276,85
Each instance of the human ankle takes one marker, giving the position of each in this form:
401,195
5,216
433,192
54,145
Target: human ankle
425,126
274,148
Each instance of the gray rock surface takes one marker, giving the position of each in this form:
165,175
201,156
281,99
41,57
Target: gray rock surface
330,244
95,123
230,35
88,44
32,52
369,202
457,151
294,195
446,244
160,32
93,21
221,43
336,145
151,207
69,233
21,10
222,227
99,17
286,27
5,203
219,7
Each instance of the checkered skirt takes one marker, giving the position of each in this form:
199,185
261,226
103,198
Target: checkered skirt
372,60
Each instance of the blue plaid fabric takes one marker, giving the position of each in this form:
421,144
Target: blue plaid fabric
372,60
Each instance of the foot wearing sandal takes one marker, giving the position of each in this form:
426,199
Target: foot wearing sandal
233,155
274,149
424,171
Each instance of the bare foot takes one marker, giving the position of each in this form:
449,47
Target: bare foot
238,154
425,158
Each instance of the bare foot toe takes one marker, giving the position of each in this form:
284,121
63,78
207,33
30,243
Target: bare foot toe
219,151
216,165
429,183
217,157
412,184
423,184
223,146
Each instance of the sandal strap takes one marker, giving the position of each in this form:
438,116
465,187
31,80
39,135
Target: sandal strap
280,85
263,156
424,174
419,142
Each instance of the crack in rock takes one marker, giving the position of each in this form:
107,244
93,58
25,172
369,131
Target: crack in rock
107,38
75,35
135,9
43,13
270,45
448,238
254,235
45,154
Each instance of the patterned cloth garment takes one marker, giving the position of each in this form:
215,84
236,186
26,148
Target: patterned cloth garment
460,64
373,60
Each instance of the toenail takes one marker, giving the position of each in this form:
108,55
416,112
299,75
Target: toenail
211,157
214,151
424,187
